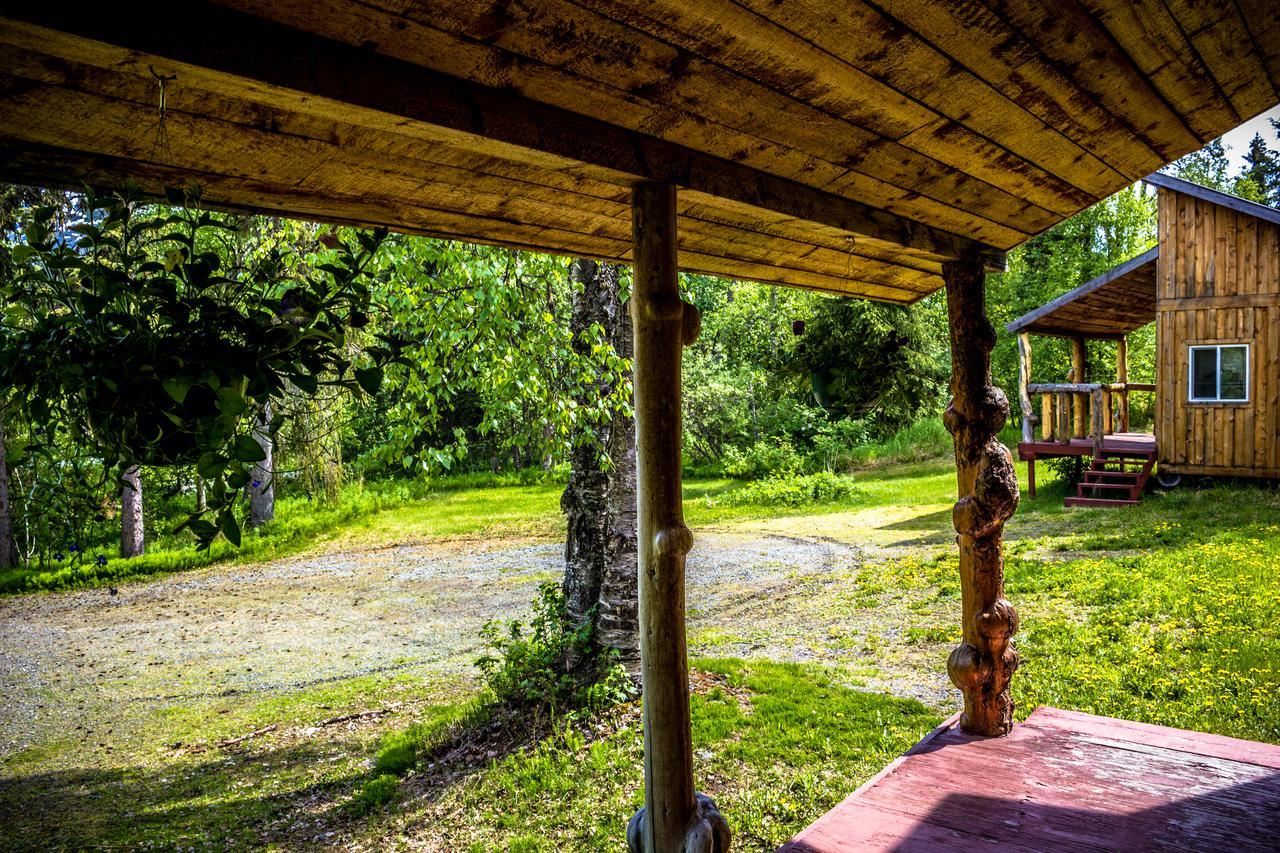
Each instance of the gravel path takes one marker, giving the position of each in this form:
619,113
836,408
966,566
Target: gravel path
272,628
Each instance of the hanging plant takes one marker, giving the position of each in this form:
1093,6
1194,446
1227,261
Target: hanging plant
132,325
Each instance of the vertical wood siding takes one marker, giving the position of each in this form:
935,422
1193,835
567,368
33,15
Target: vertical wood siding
1218,282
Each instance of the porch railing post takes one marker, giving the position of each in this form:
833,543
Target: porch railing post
675,817
1122,378
982,665
1079,376
1024,377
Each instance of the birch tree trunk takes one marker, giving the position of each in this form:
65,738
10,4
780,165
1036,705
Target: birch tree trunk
8,546
617,626
132,543
262,488
585,499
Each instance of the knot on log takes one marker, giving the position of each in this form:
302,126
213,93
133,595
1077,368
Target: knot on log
663,307
967,667
996,485
708,831
987,411
997,624
995,494
674,540
690,323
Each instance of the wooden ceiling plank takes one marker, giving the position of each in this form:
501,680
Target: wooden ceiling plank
820,149
1225,47
488,113
1113,72
344,171
746,44
1263,24
885,48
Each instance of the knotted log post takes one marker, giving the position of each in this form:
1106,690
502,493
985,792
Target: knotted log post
675,818
983,663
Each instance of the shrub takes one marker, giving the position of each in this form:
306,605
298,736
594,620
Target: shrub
529,666
835,444
927,439
823,487
774,457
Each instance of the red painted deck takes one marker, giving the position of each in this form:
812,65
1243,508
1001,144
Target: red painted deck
1135,442
1063,781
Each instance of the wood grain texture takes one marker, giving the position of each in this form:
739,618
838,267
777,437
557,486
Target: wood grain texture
850,148
1063,781
1218,283
983,664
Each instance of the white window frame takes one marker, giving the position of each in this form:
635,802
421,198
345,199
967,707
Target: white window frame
1191,375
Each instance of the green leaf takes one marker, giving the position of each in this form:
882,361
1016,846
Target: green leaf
231,402
238,478
210,465
370,379
230,527
177,388
306,383
246,449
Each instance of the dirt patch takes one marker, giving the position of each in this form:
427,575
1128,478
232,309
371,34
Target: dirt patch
91,663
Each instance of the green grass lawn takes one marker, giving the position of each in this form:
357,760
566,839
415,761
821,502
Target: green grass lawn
1167,612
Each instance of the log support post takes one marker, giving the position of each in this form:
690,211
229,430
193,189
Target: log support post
1079,373
675,818
1046,416
982,665
1096,404
1024,377
1122,378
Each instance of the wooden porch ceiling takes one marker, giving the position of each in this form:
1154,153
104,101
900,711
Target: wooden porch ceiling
847,147
1110,306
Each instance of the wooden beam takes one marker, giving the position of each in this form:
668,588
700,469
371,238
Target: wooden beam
982,665
1027,321
675,816
1024,379
261,53
1122,378
1079,371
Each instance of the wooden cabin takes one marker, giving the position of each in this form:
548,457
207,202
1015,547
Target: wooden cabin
882,151
1212,286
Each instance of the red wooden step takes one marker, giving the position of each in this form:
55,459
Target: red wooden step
1098,502
1125,486
1102,472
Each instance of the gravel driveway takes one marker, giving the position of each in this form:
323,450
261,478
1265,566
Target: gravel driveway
90,662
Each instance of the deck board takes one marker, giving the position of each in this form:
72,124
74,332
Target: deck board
1063,781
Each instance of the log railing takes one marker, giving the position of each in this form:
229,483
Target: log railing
1063,408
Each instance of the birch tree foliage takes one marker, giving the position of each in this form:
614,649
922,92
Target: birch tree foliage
486,330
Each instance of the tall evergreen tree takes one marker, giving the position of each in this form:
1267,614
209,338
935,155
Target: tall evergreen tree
1260,179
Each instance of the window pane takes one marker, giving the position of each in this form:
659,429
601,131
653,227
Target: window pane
1204,374
1233,373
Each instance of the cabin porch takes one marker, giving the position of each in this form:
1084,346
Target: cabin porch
1081,418
1062,781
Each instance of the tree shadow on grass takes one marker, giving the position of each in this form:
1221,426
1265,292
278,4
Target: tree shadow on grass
224,799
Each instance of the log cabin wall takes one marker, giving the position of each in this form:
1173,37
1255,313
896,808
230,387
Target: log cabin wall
1218,282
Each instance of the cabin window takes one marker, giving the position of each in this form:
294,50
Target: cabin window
1219,374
